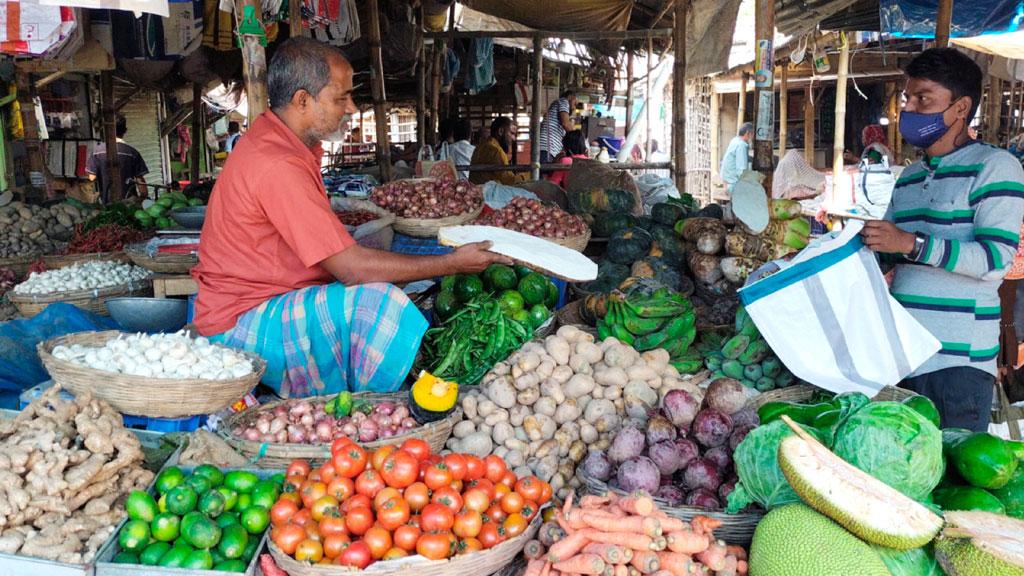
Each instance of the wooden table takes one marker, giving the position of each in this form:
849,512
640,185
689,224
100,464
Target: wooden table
165,285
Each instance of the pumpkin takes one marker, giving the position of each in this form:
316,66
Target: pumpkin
629,245
599,200
659,270
667,213
668,246
609,275
606,224
432,398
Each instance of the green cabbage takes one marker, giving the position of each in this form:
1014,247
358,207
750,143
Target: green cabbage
760,479
915,562
895,444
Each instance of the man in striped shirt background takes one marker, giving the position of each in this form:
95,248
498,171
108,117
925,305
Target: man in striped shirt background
954,225
556,123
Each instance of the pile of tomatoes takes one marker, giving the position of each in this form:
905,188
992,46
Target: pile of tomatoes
396,501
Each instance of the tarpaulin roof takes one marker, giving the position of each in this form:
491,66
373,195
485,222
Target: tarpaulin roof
1009,45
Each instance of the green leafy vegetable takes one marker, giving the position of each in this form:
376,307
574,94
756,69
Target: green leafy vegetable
757,465
915,562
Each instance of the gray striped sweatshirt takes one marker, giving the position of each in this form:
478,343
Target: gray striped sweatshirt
970,206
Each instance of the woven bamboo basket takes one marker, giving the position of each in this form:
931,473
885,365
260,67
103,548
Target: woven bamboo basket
420,228
20,264
577,243
138,396
377,233
161,263
804,392
481,563
94,301
280,455
570,314
54,261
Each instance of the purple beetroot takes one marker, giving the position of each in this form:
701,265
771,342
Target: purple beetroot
702,473
711,428
680,407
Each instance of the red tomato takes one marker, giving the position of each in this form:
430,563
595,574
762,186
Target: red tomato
509,479
418,448
393,513
340,443
467,524
457,485
302,518
483,484
350,461
369,483
400,469
500,490
417,495
476,500
290,492
287,537
435,545
356,501
378,456
529,487
357,555
309,551
494,468
359,520
322,507
492,534
341,488
405,537
384,495
545,493
327,472
495,514
426,463
312,531
436,517
515,525
529,510
311,492
474,467
335,545
293,483
469,545
395,553
414,521
449,498
314,476
512,502
298,467
333,525
282,511
437,476
379,541
456,464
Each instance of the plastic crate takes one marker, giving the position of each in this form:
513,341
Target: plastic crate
403,244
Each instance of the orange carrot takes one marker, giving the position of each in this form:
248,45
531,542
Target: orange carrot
741,567
591,501
638,524
639,504
638,542
660,543
567,547
563,523
550,532
621,570
609,570
609,553
633,571
533,550
705,524
676,563
581,564
728,567
546,570
662,572
534,567
714,556
646,562
738,551
688,542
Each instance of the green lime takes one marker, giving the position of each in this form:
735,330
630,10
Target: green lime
164,222
212,473
538,315
241,481
153,553
134,536
510,302
523,317
230,497
233,541
169,479
448,283
522,271
217,556
244,502
342,408
165,527
267,485
278,479
203,533
126,558
180,543
226,519
175,557
141,506
534,288
188,520
199,483
182,500
230,566
161,504
195,202
468,287
255,519
212,503
199,559
146,222
552,300
445,305
501,277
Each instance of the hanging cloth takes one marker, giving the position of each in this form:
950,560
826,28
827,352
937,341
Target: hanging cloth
450,70
338,30
218,31
480,72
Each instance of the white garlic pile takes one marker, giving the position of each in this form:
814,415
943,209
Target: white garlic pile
160,356
81,276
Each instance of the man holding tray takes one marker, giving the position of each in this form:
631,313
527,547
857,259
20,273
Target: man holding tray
278,273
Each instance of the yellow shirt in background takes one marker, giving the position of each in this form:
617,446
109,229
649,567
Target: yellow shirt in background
489,152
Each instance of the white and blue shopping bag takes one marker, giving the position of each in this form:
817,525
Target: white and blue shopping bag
827,314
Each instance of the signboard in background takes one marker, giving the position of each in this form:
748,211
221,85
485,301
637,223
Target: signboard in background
764,64
151,37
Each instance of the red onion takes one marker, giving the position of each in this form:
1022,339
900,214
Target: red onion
324,431
263,426
301,408
358,417
251,434
281,410
409,422
296,435
349,430
269,438
277,424
368,431
400,412
384,408
383,420
306,420
281,436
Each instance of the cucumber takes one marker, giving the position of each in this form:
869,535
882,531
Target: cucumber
733,369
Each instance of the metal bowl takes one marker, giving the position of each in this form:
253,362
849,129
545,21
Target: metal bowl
149,314
191,217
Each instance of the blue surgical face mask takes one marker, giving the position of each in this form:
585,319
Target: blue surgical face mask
923,130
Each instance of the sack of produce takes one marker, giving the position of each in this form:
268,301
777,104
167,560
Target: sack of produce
589,175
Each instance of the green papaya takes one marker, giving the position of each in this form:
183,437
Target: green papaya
985,460
967,498
1012,494
753,372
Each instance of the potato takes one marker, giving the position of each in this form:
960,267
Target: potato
515,458
500,415
528,397
545,405
485,408
463,429
580,365
517,414
639,399
546,367
596,409
588,434
502,432
500,452
502,393
562,374
469,403
477,444
590,351
640,372
612,376
579,385
526,381
558,349
528,362
552,389
567,411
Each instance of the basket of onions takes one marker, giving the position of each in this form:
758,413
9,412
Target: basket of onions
422,206
278,432
545,221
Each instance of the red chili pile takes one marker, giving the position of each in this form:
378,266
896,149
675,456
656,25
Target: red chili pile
355,217
109,238
427,199
535,218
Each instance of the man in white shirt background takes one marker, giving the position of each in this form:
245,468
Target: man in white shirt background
737,156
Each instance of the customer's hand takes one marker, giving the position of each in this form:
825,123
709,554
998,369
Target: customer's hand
474,258
884,236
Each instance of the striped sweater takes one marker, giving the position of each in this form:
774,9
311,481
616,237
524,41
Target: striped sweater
970,205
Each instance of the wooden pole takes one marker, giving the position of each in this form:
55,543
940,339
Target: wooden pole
764,81
1010,120
1019,106
197,131
421,85
943,21
891,113
629,90
716,129
783,109
609,35
435,88
295,27
840,118
995,101
809,117
254,64
535,108
679,96
380,105
648,97
110,136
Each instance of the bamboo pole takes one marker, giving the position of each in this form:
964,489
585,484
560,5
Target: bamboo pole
435,88
535,108
197,131
764,97
421,85
890,113
295,28
1020,109
716,130
629,90
783,109
254,63
943,21
809,117
741,110
1010,120
610,35
647,95
679,96
840,118
995,101
110,136
380,105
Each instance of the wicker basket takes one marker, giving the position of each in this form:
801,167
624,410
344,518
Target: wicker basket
280,455
19,265
482,563
736,528
138,396
377,233
803,393
91,300
161,263
577,243
54,261
570,314
420,228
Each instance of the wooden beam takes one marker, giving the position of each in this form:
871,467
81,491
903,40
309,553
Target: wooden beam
535,107
943,21
611,35
840,117
295,27
124,100
741,109
380,105
49,78
197,131
647,96
764,91
892,113
995,101
110,136
679,96
716,130
629,90
783,109
809,118
421,85
254,64
437,57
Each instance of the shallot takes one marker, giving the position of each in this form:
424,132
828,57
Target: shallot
427,198
306,422
535,218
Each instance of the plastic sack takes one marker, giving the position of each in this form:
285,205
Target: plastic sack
498,195
655,189
873,186
795,179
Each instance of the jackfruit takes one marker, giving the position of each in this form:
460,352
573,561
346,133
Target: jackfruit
794,540
981,544
862,504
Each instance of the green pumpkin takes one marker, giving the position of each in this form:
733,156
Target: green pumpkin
609,223
629,245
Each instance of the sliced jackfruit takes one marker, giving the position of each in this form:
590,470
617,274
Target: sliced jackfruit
861,503
981,544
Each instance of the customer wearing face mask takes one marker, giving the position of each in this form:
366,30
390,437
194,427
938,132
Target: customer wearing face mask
953,229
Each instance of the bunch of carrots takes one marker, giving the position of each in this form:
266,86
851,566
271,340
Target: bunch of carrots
628,536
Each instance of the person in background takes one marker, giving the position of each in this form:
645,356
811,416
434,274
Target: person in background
952,230
233,136
556,123
737,156
461,151
496,151
874,146
574,145
133,167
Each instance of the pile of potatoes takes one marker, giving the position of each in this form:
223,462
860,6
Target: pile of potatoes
556,399
29,230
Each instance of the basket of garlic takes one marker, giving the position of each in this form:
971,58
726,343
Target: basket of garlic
87,285
159,375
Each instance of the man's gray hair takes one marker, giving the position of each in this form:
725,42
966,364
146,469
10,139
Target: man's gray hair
746,128
299,64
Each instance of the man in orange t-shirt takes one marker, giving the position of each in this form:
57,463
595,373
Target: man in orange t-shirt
279,274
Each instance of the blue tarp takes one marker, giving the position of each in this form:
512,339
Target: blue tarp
916,18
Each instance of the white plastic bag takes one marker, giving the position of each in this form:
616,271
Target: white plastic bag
872,190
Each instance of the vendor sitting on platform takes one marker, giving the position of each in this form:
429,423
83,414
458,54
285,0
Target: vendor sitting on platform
280,276
574,145
496,151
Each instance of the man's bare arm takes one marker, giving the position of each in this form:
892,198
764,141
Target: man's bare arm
360,265
566,121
